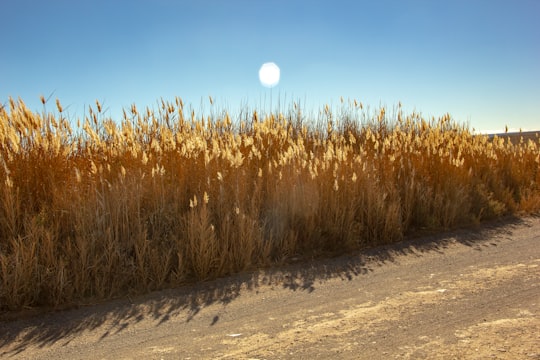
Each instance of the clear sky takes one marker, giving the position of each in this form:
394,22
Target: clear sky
479,60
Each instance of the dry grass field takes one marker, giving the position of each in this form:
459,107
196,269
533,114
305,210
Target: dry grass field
515,137
164,197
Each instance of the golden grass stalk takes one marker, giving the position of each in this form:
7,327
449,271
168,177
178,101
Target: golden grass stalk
161,198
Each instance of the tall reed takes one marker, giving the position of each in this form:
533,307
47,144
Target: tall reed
164,197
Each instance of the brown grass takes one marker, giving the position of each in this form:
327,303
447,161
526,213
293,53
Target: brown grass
163,197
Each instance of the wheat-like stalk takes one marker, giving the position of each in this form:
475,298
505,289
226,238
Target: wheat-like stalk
159,198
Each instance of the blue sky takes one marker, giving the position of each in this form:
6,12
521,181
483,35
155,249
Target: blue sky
478,60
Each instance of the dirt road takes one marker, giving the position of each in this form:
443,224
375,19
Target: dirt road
471,293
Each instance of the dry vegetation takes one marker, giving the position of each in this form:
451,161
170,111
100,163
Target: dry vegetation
164,197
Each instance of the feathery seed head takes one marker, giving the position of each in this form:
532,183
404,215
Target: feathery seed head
59,106
193,202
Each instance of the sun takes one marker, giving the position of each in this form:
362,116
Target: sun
269,74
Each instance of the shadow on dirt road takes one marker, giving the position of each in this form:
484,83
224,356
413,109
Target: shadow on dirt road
43,329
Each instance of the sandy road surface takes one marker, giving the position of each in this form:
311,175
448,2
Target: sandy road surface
466,294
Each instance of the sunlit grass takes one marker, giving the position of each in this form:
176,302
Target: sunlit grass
161,198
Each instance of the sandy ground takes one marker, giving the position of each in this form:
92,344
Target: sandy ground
466,294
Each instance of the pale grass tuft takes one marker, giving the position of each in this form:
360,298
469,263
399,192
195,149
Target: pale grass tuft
193,202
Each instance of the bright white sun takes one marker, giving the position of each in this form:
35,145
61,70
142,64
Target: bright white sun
269,74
